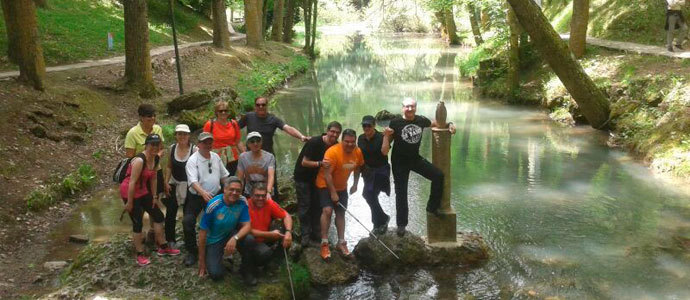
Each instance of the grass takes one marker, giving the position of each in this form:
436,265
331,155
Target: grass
75,30
266,76
77,181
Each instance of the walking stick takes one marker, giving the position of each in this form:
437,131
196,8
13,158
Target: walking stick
287,264
365,228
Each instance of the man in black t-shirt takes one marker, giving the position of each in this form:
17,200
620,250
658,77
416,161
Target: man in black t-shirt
377,171
307,166
407,136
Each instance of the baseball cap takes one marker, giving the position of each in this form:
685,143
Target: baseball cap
253,134
368,120
204,136
182,128
152,138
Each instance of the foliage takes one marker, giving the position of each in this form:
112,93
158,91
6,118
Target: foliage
265,77
77,181
76,30
493,47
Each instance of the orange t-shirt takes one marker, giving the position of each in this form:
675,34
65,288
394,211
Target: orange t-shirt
261,217
224,135
343,164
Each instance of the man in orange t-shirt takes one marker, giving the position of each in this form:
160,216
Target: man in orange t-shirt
331,182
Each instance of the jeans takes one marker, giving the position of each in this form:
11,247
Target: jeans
401,176
192,207
216,251
256,254
308,209
170,214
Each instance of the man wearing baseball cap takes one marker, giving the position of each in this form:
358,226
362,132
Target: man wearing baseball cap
256,165
376,172
205,170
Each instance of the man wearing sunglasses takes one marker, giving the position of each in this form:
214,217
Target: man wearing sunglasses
256,165
205,170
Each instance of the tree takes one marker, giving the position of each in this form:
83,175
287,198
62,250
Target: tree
449,20
307,24
24,47
314,14
590,99
221,33
253,21
474,23
138,72
277,30
578,27
289,21
513,80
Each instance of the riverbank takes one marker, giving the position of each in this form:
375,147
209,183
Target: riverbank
81,119
649,97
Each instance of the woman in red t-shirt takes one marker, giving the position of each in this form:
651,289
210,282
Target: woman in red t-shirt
226,136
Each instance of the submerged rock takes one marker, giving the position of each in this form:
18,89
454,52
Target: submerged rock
79,238
337,270
470,249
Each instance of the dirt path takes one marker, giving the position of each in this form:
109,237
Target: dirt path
633,47
119,59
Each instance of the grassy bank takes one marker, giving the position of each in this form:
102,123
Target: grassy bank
75,30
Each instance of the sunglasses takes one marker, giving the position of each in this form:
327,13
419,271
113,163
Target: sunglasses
254,141
260,104
210,170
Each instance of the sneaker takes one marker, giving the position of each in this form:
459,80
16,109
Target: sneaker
142,260
325,252
381,229
342,247
168,251
190,260
400,231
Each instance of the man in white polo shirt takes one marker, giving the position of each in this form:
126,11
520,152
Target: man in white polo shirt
205,170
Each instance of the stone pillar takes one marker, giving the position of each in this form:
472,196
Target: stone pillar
442,228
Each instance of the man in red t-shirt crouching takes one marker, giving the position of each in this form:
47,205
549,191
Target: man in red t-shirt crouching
262,210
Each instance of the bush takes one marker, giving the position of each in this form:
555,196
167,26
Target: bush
75,182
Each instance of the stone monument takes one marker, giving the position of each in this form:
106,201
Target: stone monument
442,229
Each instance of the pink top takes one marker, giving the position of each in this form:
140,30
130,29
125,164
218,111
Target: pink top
142,187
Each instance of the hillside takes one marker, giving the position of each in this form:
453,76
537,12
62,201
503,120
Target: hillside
76,30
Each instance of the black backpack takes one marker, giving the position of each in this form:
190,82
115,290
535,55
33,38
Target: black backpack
121,170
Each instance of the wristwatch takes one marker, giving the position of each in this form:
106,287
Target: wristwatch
236,238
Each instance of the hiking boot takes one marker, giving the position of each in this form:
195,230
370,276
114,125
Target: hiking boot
400,231
142,260
190,260
381,229
168,251
325,252
342,247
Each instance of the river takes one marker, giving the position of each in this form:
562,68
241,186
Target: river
564,215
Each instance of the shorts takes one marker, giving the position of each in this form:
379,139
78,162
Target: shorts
325,198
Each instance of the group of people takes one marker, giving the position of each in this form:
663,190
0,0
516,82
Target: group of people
232,186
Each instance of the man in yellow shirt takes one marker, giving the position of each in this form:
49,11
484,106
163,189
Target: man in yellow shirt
331,182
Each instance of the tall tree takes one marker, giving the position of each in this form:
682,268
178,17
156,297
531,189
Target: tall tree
307,5
252,19
314,14
24,47
578,27
138,72
449,20
221,33
277,30
289,21
513,80
591,100
474,23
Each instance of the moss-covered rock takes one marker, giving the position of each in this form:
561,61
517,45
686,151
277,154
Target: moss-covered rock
337,270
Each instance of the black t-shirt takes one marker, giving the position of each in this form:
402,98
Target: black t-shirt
371,149
314,149
266,126
407,137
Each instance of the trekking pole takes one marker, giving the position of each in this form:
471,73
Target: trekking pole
287,264
365,228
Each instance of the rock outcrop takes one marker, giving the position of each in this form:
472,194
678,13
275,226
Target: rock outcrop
337,270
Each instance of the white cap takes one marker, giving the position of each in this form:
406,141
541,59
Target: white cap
182,128
253,134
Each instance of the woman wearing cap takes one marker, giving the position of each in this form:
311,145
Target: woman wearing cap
176,177
226,136
138,191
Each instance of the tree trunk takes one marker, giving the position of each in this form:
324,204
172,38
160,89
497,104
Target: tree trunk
25,47
591,100
221,34
277,30
449,20
252,20
138,72
474,23
307,24
264,17
289,21
314,13
578,27
513,80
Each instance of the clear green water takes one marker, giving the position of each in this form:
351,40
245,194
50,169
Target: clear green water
565,215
